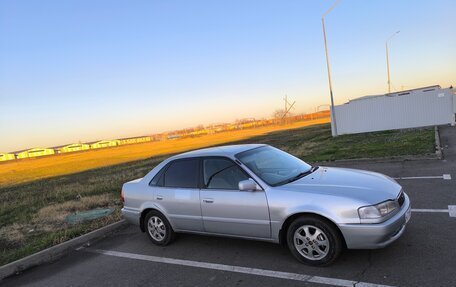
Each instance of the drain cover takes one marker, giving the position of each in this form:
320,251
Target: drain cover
88,215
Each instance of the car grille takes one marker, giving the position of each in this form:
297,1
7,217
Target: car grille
401,199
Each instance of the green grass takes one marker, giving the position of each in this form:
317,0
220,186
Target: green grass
20,207
31,214
315,143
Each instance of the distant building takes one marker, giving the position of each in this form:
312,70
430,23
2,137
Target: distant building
198,133
7,156
134,140
74,147
173,137
217,128
427,106
35,152
104,143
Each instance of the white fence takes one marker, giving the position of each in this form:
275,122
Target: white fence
409,109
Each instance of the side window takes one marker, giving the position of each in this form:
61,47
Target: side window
222,174
182,173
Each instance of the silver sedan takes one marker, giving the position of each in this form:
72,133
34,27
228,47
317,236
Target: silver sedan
262,193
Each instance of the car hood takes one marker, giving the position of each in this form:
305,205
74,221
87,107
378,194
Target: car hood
369,187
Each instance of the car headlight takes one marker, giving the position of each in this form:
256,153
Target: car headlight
377,211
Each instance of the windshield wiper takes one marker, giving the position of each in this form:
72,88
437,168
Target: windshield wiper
298,176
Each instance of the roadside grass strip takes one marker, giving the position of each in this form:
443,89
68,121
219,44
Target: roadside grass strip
239,269
451,210
444,177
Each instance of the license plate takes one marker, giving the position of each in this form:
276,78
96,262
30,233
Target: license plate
408,214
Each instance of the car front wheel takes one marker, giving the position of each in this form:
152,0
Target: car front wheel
314,241
158,228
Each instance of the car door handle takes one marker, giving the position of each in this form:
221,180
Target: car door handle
208,200
159,197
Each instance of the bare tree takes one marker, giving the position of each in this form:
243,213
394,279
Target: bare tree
279,114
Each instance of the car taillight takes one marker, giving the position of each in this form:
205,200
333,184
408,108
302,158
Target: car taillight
122,196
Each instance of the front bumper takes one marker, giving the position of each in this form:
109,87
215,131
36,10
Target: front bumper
378,235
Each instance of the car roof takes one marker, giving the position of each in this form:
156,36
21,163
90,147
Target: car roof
227,150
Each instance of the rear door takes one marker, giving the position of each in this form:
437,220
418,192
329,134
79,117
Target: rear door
226,209
177,193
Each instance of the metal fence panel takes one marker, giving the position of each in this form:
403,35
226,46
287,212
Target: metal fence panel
396,111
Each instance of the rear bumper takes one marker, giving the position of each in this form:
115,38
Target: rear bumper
131,216
379,235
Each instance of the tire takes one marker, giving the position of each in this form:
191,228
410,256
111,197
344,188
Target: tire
158,228
314,241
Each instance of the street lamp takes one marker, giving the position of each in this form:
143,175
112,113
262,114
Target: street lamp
387,61
333,114
317,109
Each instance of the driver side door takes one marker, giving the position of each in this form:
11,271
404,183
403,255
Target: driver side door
226,209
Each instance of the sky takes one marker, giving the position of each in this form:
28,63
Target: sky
85,70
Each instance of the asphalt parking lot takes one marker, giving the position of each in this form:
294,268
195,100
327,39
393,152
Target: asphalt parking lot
424,256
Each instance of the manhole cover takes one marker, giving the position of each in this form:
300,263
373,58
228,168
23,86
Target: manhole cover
88,215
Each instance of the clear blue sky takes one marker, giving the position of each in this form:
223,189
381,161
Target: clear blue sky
86,70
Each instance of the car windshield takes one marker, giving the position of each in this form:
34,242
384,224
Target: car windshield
273,166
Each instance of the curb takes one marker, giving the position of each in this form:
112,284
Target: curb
392,158
383,159
55,252
438,146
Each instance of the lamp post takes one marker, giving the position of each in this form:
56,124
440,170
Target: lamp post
387,61
317,109
333,114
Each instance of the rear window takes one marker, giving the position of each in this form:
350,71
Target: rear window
158,178
182,173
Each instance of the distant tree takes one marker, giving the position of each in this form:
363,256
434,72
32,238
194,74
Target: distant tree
278,114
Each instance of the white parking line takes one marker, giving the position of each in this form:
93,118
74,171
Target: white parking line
238,269
444,177
430,210
451,210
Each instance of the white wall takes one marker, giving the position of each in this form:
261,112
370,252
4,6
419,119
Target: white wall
454,103
395,111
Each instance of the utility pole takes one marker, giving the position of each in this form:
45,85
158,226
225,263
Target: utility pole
387,61
288,107
333,114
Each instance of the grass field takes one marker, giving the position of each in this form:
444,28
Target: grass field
315,144
31,213
25,170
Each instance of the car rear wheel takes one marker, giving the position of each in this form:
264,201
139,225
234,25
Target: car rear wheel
314,241
158,228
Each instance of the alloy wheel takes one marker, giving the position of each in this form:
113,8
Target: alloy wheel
156,228
311,242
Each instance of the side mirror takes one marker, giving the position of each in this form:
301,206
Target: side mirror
247,185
